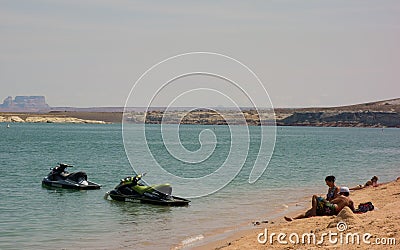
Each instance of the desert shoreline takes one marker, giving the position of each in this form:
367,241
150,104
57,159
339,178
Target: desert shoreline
379,114
381,224
308,119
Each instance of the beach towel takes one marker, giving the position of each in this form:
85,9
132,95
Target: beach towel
364,207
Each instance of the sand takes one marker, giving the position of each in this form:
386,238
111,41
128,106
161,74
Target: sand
382,224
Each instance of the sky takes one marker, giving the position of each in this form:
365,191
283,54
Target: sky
85,53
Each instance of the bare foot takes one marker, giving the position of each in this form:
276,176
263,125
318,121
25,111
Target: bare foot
288,219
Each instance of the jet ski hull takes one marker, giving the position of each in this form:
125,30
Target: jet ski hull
170,201
68,184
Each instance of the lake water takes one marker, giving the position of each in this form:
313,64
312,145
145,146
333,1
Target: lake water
33,217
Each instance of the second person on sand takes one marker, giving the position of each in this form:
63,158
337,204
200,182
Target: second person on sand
333,190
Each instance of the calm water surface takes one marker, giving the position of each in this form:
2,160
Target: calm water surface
33,217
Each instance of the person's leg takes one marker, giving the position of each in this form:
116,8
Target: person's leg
314,203
300,216
288,218
309,213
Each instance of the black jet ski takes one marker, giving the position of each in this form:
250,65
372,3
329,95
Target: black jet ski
131,189
59,177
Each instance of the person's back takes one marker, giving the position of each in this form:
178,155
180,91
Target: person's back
343,200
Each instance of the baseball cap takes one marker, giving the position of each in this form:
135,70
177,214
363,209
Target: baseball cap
344,190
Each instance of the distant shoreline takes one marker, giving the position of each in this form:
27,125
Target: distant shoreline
376,114
307,119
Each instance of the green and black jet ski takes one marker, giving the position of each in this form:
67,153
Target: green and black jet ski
131,189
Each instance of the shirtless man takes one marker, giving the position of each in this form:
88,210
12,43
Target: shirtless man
321,206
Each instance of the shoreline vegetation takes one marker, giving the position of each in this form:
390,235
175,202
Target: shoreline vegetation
381,223
375,114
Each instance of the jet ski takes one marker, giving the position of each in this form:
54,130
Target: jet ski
132,189
60,178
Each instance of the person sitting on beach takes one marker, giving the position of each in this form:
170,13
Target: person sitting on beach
371,183
321,206
333,190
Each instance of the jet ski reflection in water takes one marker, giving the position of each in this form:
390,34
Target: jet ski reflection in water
59,177
131,189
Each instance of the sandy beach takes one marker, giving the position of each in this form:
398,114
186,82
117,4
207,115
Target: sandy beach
377,229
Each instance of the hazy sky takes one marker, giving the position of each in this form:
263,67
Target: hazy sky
307,53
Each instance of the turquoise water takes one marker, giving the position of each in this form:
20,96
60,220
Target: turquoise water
32,217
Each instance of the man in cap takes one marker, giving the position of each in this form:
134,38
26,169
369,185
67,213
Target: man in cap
321,206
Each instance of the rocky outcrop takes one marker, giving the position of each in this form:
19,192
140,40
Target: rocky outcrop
200,117
251,117
46,119
16,119
343,119
36,119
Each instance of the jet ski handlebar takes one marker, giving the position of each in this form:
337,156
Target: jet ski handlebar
132,179
61,167
65,165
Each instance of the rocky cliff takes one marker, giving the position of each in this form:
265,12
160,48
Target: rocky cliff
375,114
343,119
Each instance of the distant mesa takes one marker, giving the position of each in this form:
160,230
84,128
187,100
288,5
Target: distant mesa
25,104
